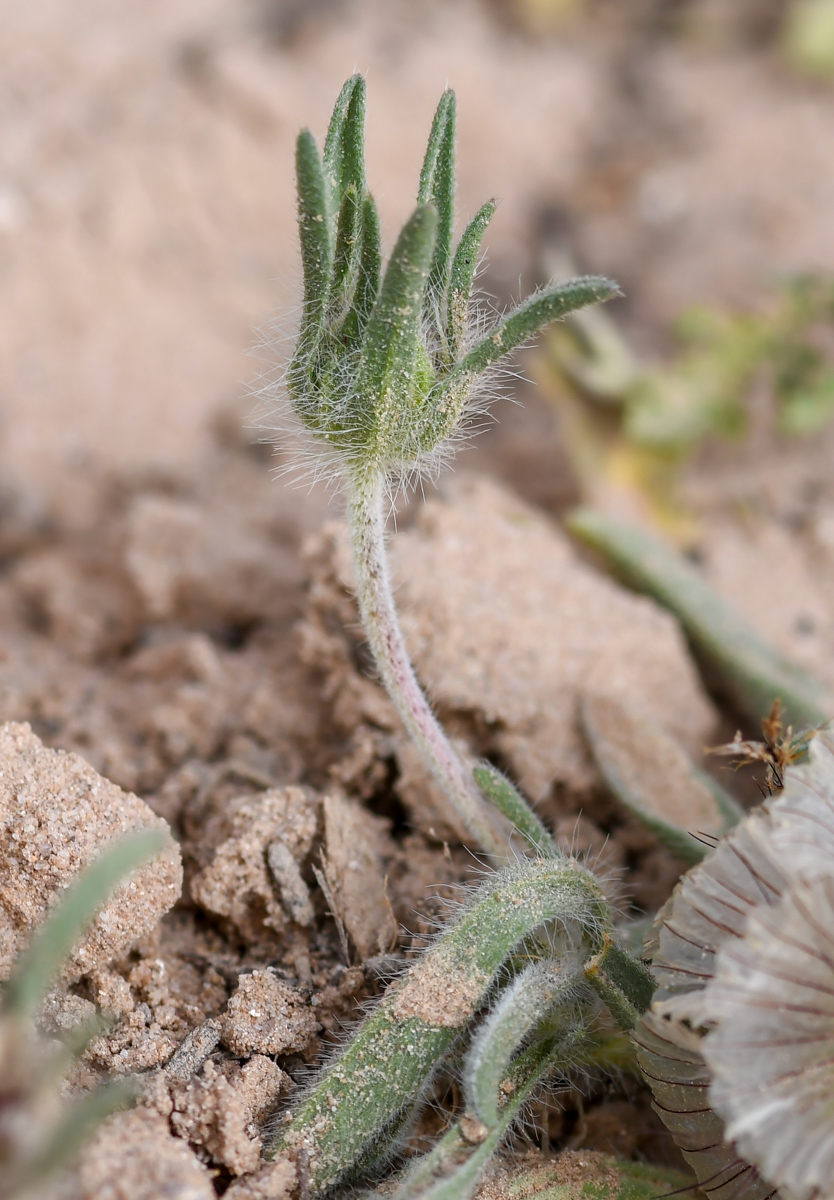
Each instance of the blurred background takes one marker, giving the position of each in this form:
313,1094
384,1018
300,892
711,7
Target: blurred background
682,146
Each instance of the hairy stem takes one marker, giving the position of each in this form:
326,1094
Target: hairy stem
366,519
544,989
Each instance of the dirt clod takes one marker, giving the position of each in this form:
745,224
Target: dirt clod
222,1109
236,884
267,1016
355,842
135,1157
292,889
205,563
56,815
505,622
193,1051
439,994
273,1182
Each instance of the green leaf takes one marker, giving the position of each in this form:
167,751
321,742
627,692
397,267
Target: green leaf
448,397
621,982
347,250
368,277
381,1072
509,801
651,776
344,170
529,318
543,990
534,314
444,113
344,145
314,232
41,962
437,187
452,1169
386,387
751,671
79,1121
462,275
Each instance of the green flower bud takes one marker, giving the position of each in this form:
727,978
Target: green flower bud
382,373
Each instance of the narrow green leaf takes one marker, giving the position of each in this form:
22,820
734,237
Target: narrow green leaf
370,262
347,249
452,1169
509,801
79,1121
391,346
750,671
41,962
677,841
353,142
443,112
362,1093
314,232
437,187
651,775
462,276
344,145
621,982
533,315
542,990
344,170
368,275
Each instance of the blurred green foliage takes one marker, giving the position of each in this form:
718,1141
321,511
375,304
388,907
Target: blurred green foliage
808,38
704,391
539,16
38,1131
631,426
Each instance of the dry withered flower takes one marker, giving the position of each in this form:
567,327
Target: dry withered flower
779,749
744,954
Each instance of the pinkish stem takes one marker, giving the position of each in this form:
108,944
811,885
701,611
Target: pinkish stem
379,616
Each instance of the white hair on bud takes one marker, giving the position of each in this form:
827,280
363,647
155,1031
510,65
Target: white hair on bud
310,459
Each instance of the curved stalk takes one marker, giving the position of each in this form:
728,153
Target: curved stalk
546,989
360,1102
366,520
451,1170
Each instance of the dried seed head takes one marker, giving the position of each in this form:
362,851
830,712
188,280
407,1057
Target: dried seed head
744,952
771,1048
